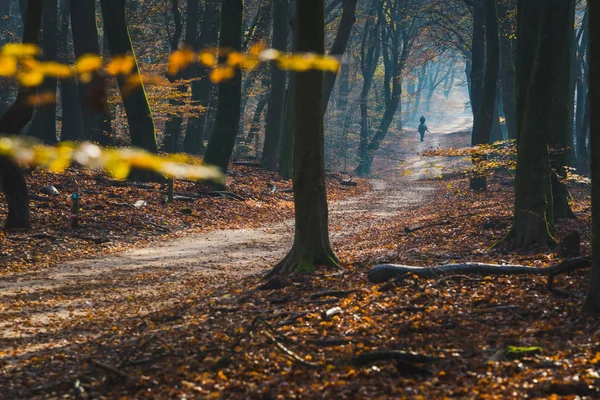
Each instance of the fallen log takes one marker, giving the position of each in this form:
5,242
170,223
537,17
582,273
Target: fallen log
384,272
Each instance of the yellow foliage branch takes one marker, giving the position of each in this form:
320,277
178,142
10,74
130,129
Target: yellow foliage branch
118,162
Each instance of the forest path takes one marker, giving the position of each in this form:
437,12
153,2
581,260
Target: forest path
38,311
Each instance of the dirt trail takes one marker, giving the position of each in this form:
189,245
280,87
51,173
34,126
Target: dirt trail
39,307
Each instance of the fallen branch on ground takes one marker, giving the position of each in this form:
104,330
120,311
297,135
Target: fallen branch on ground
383,272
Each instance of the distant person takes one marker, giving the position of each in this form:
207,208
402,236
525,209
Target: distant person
422,127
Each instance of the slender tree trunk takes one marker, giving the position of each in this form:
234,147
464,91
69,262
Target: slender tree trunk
478,60
592,300
12,180
43,125
484,119
173,124
139,116
72,118
509,84
273,130
311,240
255,125
286,147
227,119
202,87
341,42
92,94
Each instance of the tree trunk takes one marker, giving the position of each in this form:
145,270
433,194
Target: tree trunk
509,83
484,119
339,45
43,124
477,60
202,87
139,116
270,154
311,240
225,130
72,119
536,67
92,94
286,147
592,300
559,112
12,180
254,130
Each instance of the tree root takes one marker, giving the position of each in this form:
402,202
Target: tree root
383,272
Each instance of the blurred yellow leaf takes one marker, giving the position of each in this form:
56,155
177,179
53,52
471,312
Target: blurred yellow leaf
180,60
121,65
207,59
221,74
8,65
88,63
235,59
31,78
52,68
20,50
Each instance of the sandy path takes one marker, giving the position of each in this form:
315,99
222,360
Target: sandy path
35,310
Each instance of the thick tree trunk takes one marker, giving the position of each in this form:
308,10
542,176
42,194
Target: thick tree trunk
592,300
311,240
562,20
507,63
43,125
339,45
92,94
533,217
270,154
202,87
12,180
227,119
139,116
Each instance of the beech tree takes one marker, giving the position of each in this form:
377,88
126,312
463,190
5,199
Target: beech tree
227,119
12,121
311,239
592,300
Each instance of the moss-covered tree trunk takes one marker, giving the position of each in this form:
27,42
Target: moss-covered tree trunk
193,142
43,124
485,115
220,146
536,69
139,116
12,180
592,300
92,94
311,240
562,19
270,154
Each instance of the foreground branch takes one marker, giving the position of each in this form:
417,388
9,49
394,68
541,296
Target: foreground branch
383,272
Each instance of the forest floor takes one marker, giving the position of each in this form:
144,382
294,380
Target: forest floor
182,316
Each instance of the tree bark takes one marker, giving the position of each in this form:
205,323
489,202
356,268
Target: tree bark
139,116
193,142
477,59
92,94
533,217
341,42
507,64
562,19
225,130
72,118
483,122
592,300
43,124
270,154
12,180
311,240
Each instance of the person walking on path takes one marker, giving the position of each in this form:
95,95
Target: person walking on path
422,127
